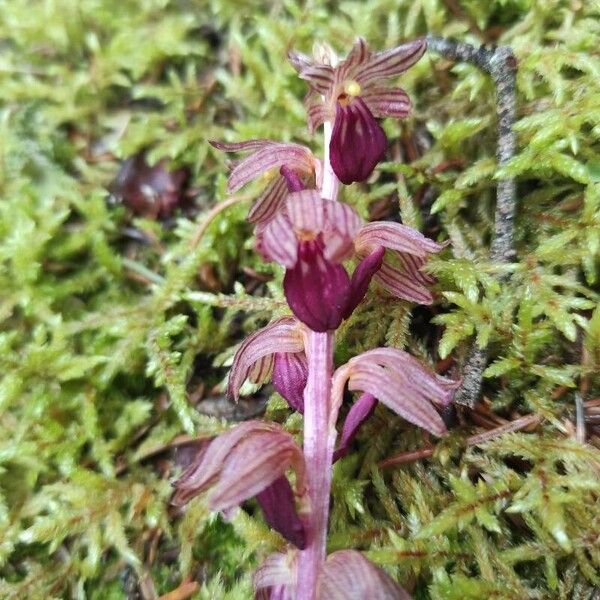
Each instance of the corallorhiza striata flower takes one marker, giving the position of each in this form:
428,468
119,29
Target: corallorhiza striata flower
352,94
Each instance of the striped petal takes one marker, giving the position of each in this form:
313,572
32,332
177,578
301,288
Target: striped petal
395,236
278,241
368,376
348,575
316,111
299,61
269,202
266,155
357,56
253,464
319,77
282,335
207,464
417,376
242,146
307,212
341,228
357,144
339,222
276,578
403,283
387,102
390,63
261,370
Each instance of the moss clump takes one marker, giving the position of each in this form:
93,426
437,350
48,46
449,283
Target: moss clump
110,324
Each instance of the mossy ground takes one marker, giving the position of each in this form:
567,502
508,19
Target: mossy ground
113,326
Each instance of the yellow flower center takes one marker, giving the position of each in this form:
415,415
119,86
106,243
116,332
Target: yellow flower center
352,88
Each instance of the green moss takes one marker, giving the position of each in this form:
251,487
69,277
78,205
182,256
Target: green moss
103,339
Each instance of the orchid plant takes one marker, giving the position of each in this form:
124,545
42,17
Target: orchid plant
301,224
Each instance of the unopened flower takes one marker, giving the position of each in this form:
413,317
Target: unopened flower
352,94
348,575
399,381
296,165
311,238
274,352
245,462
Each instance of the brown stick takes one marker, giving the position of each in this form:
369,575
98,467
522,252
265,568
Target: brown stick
501,65
474,440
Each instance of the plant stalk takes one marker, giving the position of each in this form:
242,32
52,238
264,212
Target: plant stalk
319,435
318,453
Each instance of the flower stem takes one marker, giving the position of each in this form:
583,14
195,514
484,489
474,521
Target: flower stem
319,428
319,442
331,183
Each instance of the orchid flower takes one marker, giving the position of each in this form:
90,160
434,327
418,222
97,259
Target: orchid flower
399,381
250,460
352,94
295,163
276,352
311,236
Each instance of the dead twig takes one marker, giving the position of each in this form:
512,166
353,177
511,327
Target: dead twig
474,440
501,65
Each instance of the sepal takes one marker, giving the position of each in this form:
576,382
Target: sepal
348,575
241,463
400,382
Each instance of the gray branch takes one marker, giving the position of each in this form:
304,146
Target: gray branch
501,65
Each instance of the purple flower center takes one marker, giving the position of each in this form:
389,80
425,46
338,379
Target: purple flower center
317,289
358,142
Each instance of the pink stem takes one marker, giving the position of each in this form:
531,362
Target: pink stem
319,443
331,183
319,438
